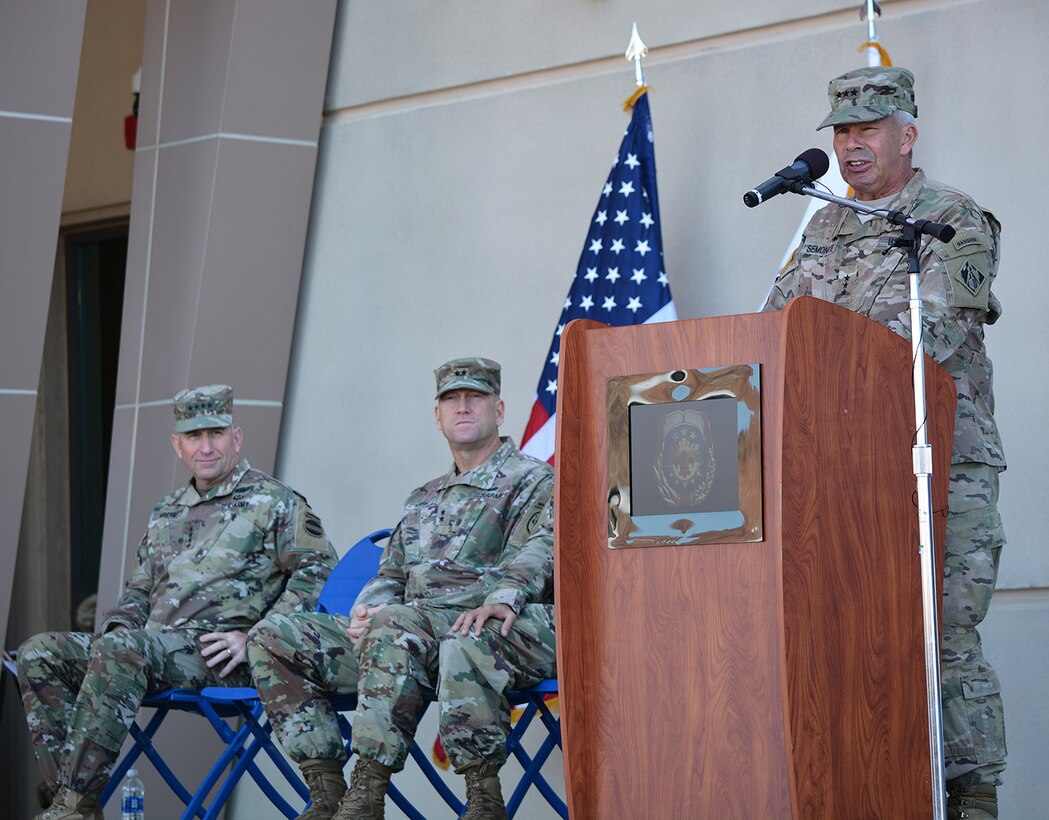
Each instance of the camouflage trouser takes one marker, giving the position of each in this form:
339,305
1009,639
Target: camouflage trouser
81,692
404,650
973,719
296,660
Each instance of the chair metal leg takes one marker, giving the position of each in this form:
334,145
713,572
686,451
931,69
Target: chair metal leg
262,741
427,768
144,745
243,746
533,765
142,738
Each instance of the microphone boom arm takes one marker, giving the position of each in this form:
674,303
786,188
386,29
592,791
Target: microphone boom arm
937,230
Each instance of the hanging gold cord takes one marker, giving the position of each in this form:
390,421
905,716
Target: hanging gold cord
886,60
629,104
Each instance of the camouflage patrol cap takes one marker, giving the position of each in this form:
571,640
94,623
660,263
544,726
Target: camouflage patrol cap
468,374
200,408
869,94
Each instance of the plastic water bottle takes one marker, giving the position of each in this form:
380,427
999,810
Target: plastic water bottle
132,797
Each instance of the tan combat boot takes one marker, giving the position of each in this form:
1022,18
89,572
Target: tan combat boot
969,802
327,786
68,805
484,794
365,799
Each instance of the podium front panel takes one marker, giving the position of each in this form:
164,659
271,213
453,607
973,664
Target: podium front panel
781,678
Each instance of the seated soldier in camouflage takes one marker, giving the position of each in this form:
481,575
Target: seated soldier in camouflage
232,546
462,604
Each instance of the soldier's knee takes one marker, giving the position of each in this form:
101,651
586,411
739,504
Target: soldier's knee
119,643
458,652
390,621
266,630
273,635
39,648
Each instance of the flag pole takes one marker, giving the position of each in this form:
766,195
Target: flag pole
876,55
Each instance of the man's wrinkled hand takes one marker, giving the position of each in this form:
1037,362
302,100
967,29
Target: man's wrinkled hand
224,647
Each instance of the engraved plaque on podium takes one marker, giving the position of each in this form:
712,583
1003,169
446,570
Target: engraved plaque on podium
684,457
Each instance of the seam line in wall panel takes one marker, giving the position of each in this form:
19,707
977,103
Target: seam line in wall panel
167,403
22,115
227,135
601,66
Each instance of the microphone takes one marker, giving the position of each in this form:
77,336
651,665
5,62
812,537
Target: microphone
809,165
937,230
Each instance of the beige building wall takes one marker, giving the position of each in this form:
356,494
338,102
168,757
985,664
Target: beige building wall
463,150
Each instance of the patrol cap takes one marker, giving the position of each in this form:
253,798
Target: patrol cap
201,408
468,374
869,94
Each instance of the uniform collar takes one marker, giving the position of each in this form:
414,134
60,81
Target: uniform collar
483,476
903,201
190,497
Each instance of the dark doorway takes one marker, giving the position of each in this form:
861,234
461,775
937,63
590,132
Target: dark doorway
96,260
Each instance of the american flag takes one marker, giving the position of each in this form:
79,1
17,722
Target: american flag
620,278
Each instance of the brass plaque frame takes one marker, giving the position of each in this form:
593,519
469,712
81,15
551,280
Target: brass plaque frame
686,490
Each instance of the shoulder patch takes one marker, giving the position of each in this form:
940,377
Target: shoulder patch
533,522
967,240
971,277
968,262
312,524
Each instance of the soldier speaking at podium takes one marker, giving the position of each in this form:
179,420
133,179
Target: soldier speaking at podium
850,259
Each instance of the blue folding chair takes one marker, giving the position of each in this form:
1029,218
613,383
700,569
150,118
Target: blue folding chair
338,596
233,703
354,570
534,701
223,706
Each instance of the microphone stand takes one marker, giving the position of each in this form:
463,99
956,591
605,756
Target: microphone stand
913,230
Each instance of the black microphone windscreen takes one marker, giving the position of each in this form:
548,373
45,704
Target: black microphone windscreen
817,161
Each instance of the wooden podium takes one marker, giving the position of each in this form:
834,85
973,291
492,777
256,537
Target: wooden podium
782,678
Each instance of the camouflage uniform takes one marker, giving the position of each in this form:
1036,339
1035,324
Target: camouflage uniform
215,562
482,537
854,264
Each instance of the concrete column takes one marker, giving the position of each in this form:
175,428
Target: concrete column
39,59
229,116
